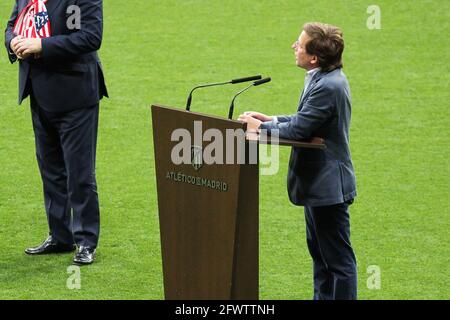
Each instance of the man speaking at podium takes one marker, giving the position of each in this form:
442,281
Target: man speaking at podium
56,43
322,181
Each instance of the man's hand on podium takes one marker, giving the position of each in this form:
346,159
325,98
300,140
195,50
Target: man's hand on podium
253,123
259,116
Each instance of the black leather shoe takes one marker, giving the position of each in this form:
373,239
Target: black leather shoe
50,246
84,255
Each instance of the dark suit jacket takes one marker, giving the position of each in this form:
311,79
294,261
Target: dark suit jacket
69,75
320,177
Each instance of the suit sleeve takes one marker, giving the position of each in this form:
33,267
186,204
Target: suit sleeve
284,118
317,109
87,39
9,35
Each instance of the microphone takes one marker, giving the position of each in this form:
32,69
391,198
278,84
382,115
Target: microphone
240,80
260,82
234,81
254,84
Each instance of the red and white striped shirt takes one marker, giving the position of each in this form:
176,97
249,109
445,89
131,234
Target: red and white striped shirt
33,21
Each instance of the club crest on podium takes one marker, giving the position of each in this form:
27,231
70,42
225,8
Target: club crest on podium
197,157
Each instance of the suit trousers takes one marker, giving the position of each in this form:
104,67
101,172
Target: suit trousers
334,262
66,150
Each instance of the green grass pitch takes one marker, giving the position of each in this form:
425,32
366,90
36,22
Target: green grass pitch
155,51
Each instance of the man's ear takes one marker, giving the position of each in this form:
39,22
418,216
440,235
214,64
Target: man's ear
315,61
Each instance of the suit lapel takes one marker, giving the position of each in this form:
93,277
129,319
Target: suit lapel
313,82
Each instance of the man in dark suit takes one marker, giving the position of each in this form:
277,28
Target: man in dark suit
62,74
322,181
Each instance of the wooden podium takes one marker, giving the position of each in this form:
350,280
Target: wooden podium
208,213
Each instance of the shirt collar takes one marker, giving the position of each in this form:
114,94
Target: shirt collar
311,73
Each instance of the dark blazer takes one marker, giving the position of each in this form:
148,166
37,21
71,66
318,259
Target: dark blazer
320,177
69,75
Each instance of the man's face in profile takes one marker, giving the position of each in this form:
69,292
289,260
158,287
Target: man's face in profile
302,58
